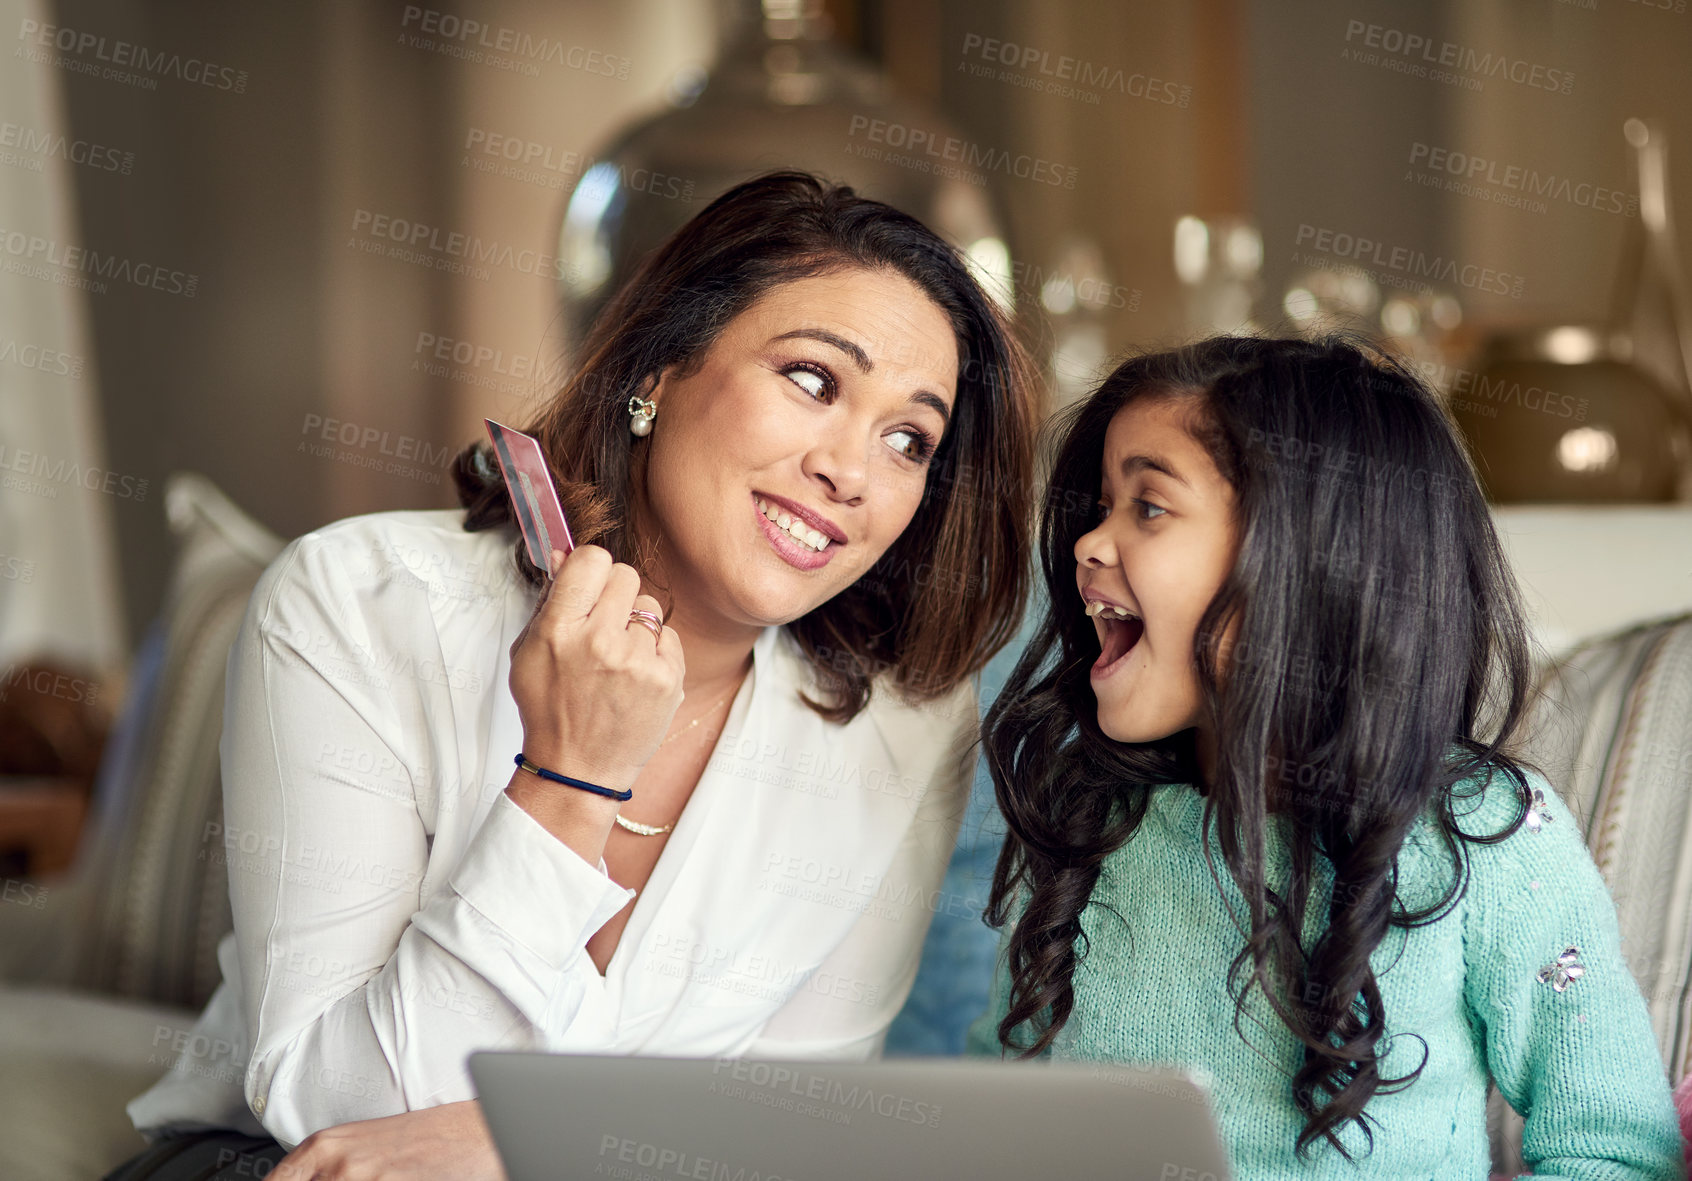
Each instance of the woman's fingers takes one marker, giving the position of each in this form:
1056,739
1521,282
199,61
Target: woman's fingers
666,675
308,1162
569,594
594,686
578,583
446,1143
616,598
649,606
589,585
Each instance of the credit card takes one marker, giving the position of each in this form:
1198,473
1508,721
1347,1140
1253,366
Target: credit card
539,515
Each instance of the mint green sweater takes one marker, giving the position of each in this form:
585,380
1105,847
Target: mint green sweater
1582,1065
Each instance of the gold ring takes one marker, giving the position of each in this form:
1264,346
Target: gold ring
652,623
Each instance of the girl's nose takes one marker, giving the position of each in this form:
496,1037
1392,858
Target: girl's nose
1094,550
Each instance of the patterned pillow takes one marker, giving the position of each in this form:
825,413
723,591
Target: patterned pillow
1613,733
1612,730
161,899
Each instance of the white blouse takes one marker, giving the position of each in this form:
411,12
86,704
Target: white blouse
394,910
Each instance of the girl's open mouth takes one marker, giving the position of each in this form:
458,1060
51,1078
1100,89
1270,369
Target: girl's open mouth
1120,636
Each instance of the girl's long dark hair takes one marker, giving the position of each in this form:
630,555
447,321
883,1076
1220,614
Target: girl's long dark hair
949,592
1380,659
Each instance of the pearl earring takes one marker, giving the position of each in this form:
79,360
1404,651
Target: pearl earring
641,413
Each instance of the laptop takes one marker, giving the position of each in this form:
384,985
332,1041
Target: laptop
558,1117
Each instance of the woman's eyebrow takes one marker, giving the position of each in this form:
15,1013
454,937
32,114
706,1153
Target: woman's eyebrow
864,365
935,403
859,357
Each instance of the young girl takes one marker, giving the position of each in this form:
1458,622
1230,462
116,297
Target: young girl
1262,821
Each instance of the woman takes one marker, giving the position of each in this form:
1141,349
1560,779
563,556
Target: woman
774,458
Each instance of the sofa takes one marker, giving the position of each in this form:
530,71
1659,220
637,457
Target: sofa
98,985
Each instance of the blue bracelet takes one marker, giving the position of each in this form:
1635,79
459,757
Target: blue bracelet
555,777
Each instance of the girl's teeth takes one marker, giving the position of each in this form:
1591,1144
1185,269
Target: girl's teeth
793,526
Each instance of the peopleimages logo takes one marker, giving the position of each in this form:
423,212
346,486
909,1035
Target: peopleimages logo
42,258
461,352
479,41
656,1161
77,43
52,362
393,455
1467,173
451,250
1400,266
922,148
550,167
1423,57
46,144
47,683
1039,69
33,466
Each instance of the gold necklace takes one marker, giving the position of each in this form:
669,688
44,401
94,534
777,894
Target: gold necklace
655,830
703,714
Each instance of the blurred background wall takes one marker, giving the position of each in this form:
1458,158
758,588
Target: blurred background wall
263,182
303,247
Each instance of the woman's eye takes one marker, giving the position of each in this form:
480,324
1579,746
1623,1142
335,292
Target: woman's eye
911,444
810,380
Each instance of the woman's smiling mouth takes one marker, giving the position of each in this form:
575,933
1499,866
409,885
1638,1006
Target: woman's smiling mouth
798,543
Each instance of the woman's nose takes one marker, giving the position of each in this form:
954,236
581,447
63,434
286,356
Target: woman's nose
841,465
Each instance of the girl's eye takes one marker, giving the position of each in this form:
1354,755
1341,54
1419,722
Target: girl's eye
915,445
815,381
1102,511
1149,511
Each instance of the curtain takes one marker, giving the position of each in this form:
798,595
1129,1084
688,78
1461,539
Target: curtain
59,595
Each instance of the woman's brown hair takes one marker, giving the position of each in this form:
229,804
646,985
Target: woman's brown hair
950,591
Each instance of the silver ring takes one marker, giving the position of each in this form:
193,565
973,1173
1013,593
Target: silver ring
652,623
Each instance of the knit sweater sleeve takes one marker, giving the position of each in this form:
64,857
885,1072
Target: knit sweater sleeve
1581,1064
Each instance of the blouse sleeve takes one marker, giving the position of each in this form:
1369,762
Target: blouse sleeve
848,1003
1566,1033
363,998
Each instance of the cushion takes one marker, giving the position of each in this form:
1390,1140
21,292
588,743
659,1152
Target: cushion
1612,730
157,906
141,911
1613,733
